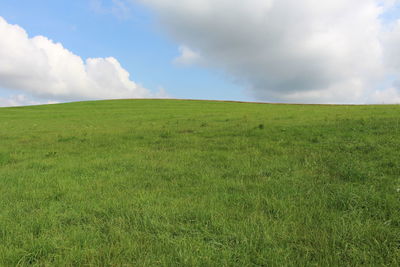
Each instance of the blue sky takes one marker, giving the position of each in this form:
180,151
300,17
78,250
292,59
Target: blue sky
241,56
134,40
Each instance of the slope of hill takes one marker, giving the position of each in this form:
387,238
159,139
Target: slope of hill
189,183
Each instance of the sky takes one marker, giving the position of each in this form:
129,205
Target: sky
290,51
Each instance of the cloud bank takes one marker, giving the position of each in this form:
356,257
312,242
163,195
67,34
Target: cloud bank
44,69
331,51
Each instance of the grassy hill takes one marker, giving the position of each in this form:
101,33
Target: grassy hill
199,183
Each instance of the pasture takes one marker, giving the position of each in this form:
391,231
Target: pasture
199,183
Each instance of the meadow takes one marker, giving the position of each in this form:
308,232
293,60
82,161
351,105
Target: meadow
199,183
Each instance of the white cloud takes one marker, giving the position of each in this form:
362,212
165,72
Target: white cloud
45,69
118,8
22,100
331,51
187,56
391,38
388,96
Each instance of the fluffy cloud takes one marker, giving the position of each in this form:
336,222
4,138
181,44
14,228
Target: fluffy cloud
45,69
331,51
16,100
21,100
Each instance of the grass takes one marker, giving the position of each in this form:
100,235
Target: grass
197,183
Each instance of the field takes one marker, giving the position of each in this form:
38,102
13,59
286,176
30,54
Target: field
199,183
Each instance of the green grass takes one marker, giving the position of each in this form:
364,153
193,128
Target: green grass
197,183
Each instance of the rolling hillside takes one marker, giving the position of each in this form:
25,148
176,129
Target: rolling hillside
199,183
